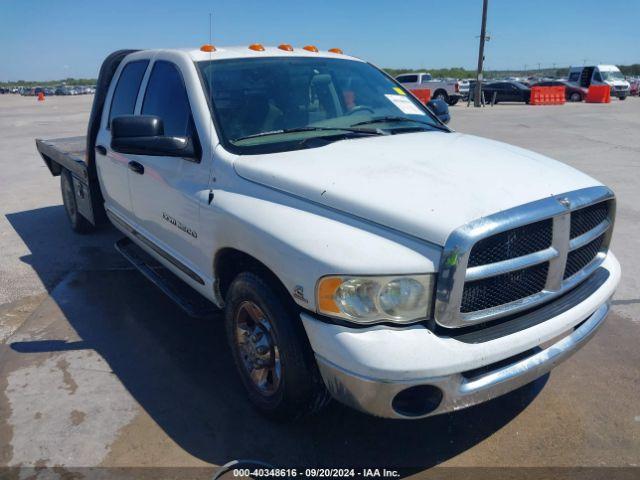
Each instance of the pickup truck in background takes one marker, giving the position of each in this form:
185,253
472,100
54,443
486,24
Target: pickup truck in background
359,248
446,90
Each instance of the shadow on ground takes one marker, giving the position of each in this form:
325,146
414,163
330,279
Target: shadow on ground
181,373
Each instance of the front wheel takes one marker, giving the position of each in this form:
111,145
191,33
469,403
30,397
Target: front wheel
622,98
575,97
79,224
271,350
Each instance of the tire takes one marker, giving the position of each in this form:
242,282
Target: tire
453,100
623,98
575,97
441,94
264,329
79,224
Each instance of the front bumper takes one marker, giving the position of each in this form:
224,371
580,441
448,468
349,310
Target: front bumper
367,368
620,93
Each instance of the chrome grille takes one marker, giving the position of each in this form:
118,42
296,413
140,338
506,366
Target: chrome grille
505,288
518,258
588,218
581,257
512,243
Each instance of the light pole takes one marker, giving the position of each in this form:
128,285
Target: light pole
483,33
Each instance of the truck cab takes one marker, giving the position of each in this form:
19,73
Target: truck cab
357,247
601,75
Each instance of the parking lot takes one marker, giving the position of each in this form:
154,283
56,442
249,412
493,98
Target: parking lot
98,368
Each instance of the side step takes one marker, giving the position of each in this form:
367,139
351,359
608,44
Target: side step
194,304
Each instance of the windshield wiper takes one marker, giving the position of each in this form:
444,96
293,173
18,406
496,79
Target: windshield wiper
311,129
392,119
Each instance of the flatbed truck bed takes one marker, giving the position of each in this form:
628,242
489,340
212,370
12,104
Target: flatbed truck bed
70,153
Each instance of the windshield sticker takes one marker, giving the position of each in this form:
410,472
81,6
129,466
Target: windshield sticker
399,91
404,104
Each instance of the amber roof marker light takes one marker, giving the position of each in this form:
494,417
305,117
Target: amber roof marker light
256,47
207,47
336,50
286,47
310,48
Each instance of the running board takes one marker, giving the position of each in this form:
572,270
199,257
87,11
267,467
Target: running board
194,304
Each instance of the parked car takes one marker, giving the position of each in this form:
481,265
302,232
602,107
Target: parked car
359,248
634,86
445,90
33,91
601,75
506,92
573,92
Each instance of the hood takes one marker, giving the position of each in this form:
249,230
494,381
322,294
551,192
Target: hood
617,83
423,184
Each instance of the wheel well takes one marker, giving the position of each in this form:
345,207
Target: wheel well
229,262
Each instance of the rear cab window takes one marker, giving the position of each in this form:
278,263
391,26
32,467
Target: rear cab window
126,91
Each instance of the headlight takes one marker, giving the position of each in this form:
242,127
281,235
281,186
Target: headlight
398,299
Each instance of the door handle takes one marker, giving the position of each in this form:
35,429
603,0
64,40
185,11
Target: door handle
101,150
136,167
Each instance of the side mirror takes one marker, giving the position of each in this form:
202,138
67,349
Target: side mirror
144,135
440,109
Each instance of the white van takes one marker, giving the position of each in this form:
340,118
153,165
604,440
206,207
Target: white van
601,75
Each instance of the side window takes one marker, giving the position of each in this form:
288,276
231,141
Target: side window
166,97
126,92
408,79
597,77
574,76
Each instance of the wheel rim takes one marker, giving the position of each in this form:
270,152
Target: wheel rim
69,198
575,97
258,348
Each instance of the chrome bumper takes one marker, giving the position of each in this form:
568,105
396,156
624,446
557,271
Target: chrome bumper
458,391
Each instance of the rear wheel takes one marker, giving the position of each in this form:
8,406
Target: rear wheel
441,95
575,97
271,351
452,101
79,224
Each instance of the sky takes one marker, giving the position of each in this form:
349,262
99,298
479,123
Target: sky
48,40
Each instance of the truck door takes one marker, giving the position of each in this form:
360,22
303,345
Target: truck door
112,166
166,191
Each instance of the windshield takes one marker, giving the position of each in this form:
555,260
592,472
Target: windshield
611,75
275,104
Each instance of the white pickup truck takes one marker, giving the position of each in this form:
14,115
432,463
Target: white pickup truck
360,249
447,90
